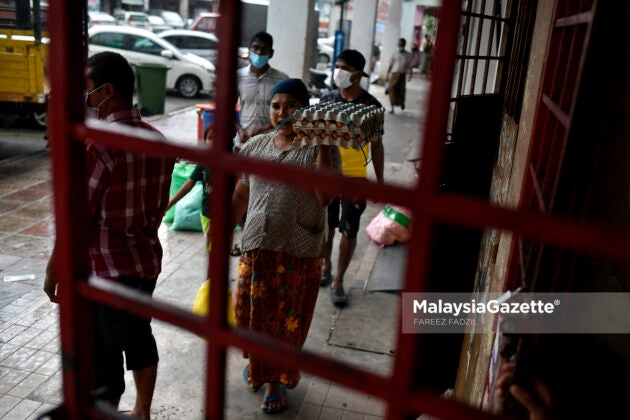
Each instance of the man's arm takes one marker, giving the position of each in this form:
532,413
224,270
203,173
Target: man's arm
378,159
50,281
181,193
325,162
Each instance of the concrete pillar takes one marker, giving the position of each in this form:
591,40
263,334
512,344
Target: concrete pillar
183,8
391,35
407,22
293,25
362,39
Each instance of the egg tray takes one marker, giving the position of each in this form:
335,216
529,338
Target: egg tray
339,123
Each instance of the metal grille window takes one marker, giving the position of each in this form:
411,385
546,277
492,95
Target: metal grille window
551,184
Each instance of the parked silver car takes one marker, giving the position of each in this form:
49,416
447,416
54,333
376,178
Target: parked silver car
188,74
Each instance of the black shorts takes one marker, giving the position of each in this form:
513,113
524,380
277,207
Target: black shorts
115,332
351,211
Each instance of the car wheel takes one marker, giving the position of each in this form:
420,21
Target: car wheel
40,118
323,58
188,86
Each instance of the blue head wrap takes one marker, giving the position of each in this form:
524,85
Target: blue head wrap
293,87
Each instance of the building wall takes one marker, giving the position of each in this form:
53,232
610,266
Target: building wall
475,361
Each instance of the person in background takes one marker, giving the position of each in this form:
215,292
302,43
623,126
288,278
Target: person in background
427,55
399,66
201,174
282,242
347,75
254,84
127,195
415,52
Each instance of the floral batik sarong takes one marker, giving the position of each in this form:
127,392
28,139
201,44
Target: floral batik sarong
276,295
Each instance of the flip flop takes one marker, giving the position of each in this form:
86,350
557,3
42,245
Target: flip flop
268,399
236,251
246,375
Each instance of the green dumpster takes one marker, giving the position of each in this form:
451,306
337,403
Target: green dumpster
151,87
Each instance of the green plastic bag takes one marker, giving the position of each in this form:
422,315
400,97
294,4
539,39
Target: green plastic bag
188,210
181,173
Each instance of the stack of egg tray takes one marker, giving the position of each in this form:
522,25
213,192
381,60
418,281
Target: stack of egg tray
338,123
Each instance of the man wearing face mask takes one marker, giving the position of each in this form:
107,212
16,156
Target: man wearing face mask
347,76
399,65
127,195
254,85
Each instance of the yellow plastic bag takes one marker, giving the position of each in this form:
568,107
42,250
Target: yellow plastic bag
200,305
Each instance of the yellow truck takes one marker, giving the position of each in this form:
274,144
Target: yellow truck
23,59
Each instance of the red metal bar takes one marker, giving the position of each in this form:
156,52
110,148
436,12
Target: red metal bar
66,105
229,33
417,268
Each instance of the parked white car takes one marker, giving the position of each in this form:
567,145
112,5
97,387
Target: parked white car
100,18
135,19
189,74
158,24
172,19
199,43
203,44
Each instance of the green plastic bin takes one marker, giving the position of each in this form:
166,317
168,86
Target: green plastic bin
151,87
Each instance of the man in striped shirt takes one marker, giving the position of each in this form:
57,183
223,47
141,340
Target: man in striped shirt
254,86
127,196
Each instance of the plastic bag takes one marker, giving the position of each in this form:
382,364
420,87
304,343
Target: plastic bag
188,210
200,305
181,173
387,89
392,224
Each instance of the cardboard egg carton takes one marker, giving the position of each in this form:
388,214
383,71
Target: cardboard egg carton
341,124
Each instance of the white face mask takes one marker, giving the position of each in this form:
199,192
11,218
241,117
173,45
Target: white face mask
342,78
93,111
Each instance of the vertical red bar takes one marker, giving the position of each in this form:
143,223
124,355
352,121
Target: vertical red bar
68,39
418,265
228,33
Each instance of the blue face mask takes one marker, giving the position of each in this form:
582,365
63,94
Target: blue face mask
401,49
258,61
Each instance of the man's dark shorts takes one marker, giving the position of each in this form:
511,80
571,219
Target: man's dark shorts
116,332
351,211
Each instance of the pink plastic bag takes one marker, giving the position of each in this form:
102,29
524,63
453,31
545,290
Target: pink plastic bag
392,224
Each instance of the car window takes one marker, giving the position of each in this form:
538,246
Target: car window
196,43
145,45
138,18
109,39
207,24
175,40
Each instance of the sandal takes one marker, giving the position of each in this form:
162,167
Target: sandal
271,398
246,375
236,251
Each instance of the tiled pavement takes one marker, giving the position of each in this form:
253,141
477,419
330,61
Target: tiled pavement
30,376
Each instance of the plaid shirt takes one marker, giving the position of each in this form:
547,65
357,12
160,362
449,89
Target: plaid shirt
127,195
